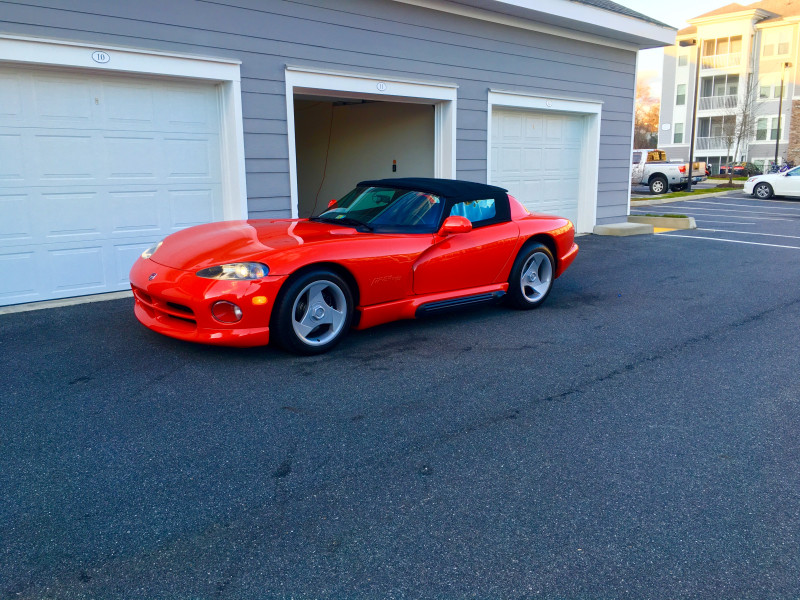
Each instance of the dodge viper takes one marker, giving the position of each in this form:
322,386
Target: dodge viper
390,249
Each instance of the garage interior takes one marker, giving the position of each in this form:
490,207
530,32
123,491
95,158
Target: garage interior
341,141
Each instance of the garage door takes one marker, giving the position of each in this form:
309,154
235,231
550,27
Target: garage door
537,156
94,169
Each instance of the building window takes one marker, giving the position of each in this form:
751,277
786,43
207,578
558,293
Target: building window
767,91
722,52
719,85
680,96
776,42
683,60
767,129
677,136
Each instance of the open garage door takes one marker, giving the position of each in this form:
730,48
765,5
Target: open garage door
95,168
340,142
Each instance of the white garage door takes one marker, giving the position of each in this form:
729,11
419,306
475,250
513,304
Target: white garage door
537,157
94,169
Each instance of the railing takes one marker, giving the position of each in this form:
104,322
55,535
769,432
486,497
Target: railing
722,61
717,102
711,143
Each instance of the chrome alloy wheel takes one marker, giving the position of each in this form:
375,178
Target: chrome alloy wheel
319,312
537,276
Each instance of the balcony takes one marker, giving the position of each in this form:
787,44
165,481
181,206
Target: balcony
711,143
718,102
722,61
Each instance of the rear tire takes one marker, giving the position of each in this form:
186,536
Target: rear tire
658,185
531,277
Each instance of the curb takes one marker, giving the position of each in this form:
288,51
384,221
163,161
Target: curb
681,199
45,304
666,222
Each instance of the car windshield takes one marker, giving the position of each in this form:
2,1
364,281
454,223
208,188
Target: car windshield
386,210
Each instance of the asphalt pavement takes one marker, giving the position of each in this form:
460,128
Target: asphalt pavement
636,437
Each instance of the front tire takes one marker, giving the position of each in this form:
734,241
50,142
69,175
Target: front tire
314,313
763,191
531,277
658,185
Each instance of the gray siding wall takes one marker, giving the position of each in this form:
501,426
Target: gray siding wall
379,37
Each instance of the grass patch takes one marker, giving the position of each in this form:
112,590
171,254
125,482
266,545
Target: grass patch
682,194
671,216
725,178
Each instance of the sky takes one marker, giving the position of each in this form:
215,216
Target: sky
671,12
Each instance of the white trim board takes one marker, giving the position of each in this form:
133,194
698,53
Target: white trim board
317,82
590,153
606,23
225,73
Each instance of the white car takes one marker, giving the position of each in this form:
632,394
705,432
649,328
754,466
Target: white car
774,184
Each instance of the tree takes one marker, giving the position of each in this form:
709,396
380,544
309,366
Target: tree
645,129
742,119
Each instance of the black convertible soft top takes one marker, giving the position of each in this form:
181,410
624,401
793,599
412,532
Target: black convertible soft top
454,190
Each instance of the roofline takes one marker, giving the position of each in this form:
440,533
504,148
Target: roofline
731,16
783,21
564,18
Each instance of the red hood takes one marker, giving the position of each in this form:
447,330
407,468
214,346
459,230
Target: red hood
241,241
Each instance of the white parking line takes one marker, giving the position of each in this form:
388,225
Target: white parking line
751,199
794,237
691,210
723,222
771,210
700,237
748,212
743,206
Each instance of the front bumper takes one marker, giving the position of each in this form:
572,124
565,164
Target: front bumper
566,260
178,304
748,187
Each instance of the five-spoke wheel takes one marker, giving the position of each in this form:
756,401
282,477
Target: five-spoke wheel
531,277
313,313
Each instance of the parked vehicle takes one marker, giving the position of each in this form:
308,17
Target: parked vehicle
786,183
651,168
390,249
740,169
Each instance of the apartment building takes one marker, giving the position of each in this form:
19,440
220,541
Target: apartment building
745,102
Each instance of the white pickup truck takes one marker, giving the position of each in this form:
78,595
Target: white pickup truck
651,168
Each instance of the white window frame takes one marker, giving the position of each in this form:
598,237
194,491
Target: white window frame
675,130
771,119
590,144
317,82
677,88
224,73
774,36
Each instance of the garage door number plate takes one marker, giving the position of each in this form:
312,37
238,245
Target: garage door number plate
101,57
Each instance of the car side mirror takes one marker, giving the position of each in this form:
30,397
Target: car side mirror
455,224
333,203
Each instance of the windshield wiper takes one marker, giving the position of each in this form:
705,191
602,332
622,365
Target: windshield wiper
347,221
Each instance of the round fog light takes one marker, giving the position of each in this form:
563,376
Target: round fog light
226,312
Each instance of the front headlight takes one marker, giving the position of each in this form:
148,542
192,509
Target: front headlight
152,250
235,271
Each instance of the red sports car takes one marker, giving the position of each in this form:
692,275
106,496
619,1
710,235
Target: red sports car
390,249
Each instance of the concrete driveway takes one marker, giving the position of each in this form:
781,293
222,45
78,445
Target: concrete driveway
636,437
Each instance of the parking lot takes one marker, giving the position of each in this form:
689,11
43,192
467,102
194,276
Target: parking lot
737,218
636,437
